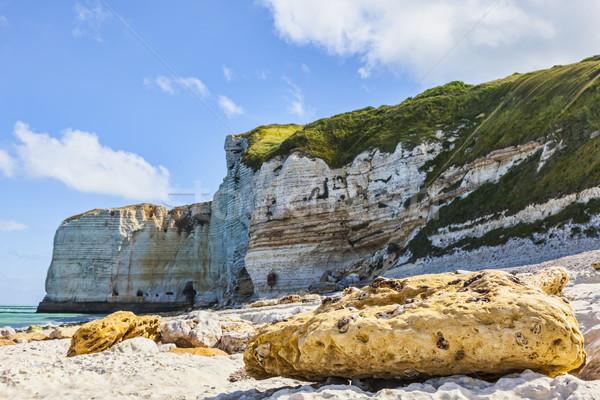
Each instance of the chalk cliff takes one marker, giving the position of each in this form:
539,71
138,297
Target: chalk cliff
461,176
145,258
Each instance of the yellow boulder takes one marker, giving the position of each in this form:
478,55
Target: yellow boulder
101,334
486,322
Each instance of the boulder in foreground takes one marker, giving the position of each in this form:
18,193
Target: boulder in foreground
486,322
102,334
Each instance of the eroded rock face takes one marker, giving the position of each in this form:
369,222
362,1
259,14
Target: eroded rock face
102,334
486,322
197,329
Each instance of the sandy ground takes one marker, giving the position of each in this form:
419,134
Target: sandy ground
40,370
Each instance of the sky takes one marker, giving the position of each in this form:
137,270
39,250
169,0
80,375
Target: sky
106,103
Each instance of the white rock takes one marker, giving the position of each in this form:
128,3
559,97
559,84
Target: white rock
236,335
135,345
165,347
7,331
235,342
197,329
63,332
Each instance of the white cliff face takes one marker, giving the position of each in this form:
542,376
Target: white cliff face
144,258
136,256
231,211
310,219
293,223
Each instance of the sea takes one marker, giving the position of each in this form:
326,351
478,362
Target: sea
25,316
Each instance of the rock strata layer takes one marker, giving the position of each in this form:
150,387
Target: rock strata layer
486,322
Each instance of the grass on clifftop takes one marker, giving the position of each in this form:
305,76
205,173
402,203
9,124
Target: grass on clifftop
264,141
493,115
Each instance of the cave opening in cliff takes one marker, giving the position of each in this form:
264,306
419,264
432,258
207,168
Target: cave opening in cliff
190,293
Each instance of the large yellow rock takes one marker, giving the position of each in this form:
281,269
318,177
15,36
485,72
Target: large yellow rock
486,322
101,334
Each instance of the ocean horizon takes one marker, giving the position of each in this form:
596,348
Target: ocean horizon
24,316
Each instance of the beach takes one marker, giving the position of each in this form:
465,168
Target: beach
41,370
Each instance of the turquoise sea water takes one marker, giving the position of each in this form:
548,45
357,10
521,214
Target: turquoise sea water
25,316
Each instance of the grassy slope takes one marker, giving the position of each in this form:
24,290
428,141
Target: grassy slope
560,104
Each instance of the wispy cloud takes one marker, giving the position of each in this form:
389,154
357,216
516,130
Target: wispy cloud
3,20
171,85
227,73
305,68
89,20
7,164
10,226
296,100
229,107
79,161
471,40
195,85
165,84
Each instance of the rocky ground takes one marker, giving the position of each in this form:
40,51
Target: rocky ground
41,370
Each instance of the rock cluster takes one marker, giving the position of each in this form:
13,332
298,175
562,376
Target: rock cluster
197,329
486,322
102,334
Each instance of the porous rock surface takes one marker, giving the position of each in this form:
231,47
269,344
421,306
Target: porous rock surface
196,329
485,322
102,334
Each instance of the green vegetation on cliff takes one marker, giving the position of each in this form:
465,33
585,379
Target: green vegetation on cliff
493,115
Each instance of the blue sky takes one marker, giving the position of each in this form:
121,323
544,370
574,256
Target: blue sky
109,103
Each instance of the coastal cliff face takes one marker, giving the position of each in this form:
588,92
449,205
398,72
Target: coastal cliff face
459,177
131,257
145,258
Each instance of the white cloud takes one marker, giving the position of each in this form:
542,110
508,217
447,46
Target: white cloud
3,20
296,101
412,36
169,85
305,68
228,73
165,84
89,20
79,161
229,107
7,164
195,85
10,226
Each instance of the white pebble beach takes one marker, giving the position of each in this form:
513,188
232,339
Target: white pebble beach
41,370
